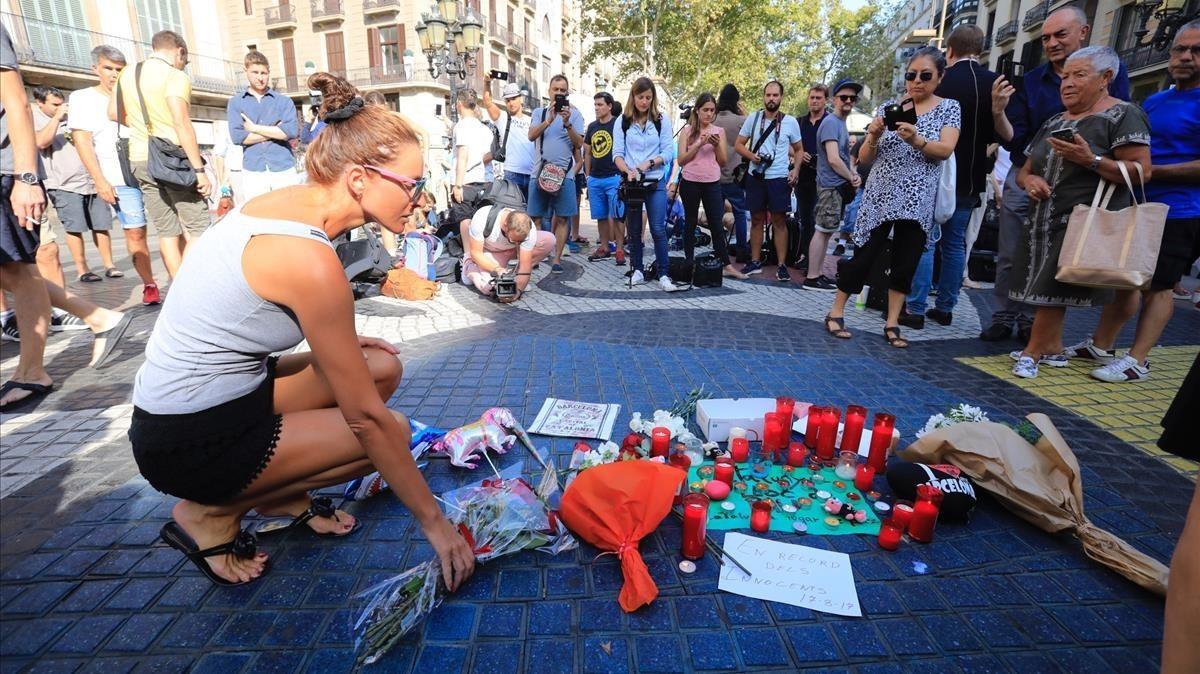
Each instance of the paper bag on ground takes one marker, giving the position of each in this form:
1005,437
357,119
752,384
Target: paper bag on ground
1040,483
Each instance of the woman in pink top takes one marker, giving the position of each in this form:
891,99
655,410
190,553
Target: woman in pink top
701,153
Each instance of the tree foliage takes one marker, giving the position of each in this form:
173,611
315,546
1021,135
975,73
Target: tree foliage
699,45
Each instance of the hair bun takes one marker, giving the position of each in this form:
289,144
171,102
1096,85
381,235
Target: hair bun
336,93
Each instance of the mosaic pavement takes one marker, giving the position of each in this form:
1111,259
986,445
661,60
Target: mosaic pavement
85,587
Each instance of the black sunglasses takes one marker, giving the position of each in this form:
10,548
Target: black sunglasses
912,75
848,99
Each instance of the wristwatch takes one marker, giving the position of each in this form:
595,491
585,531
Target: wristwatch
1095,165
28,178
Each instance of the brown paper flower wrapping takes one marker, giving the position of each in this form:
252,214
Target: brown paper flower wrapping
1040,483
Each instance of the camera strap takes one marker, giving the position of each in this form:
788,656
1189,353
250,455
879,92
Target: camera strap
507,124
773,126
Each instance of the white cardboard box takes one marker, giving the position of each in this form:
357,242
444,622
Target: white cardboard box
716,416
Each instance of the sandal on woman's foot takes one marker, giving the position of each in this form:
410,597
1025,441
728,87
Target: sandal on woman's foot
600,254
892,335
243,546
113,272
839,330
320,506
90,277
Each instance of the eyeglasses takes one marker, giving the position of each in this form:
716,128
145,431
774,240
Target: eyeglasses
415,187
1179,49
848,99
912,75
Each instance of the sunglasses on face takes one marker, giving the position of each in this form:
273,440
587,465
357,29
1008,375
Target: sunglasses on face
847,99
415,187
924,74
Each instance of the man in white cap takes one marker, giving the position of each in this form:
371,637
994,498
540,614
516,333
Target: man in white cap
512,123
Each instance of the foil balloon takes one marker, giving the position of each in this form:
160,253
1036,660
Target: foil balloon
495,431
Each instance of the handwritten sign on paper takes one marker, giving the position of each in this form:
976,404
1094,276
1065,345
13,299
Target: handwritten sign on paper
574,419
792,574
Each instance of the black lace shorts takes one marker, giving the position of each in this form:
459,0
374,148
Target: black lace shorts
209,456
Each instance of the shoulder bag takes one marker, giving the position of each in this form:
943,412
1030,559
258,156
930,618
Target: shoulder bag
550,177
122,142
166,162
1112,249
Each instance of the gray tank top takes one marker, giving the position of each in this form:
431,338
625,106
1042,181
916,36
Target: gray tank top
214,334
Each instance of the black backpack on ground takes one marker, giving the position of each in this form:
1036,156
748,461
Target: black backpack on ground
679,270
707,272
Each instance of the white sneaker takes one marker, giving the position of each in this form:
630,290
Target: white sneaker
61,321
665,283
1087,349
636,278
1122,369
1025,368
1051,359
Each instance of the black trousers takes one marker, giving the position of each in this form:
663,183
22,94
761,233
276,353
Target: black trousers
710,194
908,243
806,207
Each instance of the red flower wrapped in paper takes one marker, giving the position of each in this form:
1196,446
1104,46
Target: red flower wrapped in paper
613,506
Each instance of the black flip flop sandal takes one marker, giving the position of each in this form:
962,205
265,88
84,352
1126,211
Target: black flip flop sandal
893,338
320,506
110,338
244,546
840,331
90,277
35,391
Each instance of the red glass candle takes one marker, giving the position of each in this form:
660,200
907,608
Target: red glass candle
695,525
828,433
760,516
856,417
682,462
881,441
660,441
739,449
902,512
774,434
724,470
813,429
786,408
889,534
864,478
925,513
797,453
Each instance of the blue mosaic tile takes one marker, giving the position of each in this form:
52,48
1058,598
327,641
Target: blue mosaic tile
244,630
85,636
295,558
600,615
711,650
385,556
880,669
118,562
550,656
89,595
567,581
340,629
37,598
812,643
696,612
760,647
658,653
950,632
879,599
520,584
451,622
1083,586
396,529
787,613
277,662
1131,623
1078,660
480,586
30,565
329,590
138,632
186,593
342,559
1031,662
605,654
906,637
501,620
137,594
1127,660
1084,624
656,617
979,664
919,596
874,568
293,629
858,639
330,661
745,610
548,618
158,562
496,657
438,658
193,630
222,663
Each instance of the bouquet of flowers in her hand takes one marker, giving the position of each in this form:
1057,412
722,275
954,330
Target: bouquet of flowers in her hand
497,517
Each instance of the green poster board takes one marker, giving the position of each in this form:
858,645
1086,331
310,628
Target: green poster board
782,485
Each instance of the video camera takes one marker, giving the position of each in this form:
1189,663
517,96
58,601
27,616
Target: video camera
685,111
634,193
504,283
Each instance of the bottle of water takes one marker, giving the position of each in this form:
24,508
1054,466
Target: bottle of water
860,302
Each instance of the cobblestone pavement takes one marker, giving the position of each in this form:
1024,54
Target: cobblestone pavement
85,586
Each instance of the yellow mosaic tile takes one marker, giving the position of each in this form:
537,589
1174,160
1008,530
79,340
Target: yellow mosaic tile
1131,412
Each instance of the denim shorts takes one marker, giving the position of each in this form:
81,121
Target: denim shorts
772,195
564,204
130,210
602,197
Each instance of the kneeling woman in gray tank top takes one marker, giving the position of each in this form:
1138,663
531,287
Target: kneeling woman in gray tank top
227,428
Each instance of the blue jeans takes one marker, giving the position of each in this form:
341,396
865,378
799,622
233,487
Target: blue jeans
656,211
954,259
735,194
520,180
851,213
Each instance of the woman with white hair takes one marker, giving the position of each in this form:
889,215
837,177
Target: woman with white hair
1061,174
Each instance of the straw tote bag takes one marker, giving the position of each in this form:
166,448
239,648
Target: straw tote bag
1112,249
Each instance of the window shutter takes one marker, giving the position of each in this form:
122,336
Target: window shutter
373,46
402,37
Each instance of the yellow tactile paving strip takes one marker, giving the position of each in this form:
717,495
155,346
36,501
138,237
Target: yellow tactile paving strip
1131,412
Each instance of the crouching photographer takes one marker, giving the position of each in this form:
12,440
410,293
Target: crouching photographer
501,249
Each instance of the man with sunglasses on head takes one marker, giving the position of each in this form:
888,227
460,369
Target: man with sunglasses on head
982,96
1036,100
836,180
495,236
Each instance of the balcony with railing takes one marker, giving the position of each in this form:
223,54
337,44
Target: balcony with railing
327,10
59,47
1035,16
531,52
1006,32
498,34
1143,56
380,6
280,17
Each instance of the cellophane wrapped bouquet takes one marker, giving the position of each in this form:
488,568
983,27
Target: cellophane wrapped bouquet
497,517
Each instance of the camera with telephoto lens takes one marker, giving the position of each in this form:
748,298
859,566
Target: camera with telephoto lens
504,283
634,193
765,160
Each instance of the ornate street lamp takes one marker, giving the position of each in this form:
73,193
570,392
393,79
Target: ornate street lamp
1171,17
450,42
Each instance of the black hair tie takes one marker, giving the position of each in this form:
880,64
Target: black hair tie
346,111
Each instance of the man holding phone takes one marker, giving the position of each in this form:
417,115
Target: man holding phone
557,133
513,125
1064,32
